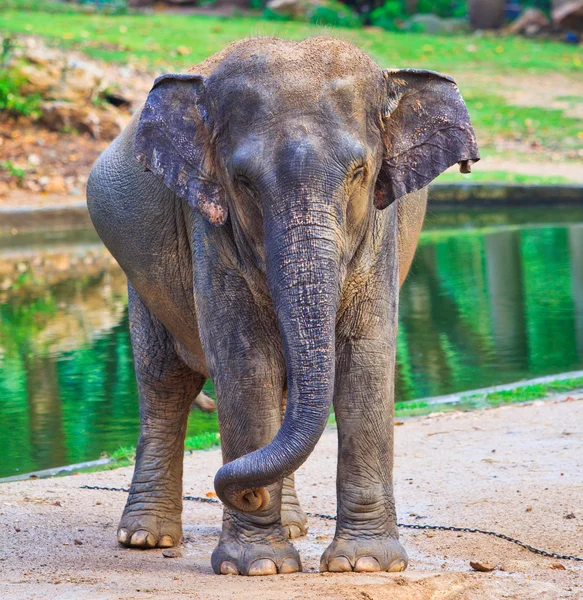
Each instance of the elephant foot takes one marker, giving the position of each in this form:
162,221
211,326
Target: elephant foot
147,530
364,556
294,521
246,549
293,518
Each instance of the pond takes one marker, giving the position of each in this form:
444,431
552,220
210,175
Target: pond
493,297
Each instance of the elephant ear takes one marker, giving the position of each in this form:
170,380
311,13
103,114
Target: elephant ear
171,142
427,129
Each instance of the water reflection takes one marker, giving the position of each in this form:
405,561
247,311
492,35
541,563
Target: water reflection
479,308
486,308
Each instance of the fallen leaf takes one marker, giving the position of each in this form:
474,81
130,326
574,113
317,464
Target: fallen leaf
211,495
558,567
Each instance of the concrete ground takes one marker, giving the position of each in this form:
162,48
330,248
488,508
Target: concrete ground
517,470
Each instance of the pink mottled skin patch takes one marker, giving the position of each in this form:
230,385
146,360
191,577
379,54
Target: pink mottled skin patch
216,214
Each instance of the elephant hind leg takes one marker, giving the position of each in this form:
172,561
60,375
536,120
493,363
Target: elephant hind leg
153,512
293,518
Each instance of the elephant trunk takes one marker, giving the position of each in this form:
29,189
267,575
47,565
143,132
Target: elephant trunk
302,251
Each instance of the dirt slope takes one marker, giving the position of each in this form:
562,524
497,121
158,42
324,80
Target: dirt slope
517,470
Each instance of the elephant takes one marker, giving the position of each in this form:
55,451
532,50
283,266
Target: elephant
265,207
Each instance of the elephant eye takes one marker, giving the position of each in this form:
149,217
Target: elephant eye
357,173
245,183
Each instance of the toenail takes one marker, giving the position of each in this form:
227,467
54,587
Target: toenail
367,564
166,542
228,568
289,565
122,536
263,566
294,531
339,564
397,567
143,539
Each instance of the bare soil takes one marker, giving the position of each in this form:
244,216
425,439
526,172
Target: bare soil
516,470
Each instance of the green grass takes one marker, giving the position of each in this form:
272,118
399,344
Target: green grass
171,42
125,456
526,393
500,177
495,118
530,392
202,441
156,38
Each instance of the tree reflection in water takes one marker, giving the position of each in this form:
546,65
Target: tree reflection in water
479,308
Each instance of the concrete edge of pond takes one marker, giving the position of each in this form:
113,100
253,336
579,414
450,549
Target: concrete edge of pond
434,400
46,473
503,194
458,396
56,216
446,195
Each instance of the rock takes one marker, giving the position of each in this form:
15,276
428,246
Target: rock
483,567
34,159
172,553
568,15
530,22
70,79
296,9
105,124
434,25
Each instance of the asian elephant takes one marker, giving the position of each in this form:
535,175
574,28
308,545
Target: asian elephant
265,208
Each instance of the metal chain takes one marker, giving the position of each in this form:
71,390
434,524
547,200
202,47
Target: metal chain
402,525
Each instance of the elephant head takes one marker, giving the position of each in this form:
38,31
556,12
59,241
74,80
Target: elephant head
292,147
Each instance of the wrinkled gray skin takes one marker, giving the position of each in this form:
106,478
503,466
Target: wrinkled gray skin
244,203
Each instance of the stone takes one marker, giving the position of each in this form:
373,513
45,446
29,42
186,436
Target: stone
530,22
296,9
434,25
483,567
62,116
568,15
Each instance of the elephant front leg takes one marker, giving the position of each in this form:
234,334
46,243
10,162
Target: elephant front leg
366,537
249,401
153,513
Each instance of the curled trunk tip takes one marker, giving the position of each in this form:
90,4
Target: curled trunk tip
248,500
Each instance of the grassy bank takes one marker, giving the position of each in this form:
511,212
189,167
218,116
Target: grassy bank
181,40
125,456
501,177
526,393
163,42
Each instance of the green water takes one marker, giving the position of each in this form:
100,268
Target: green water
493,297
